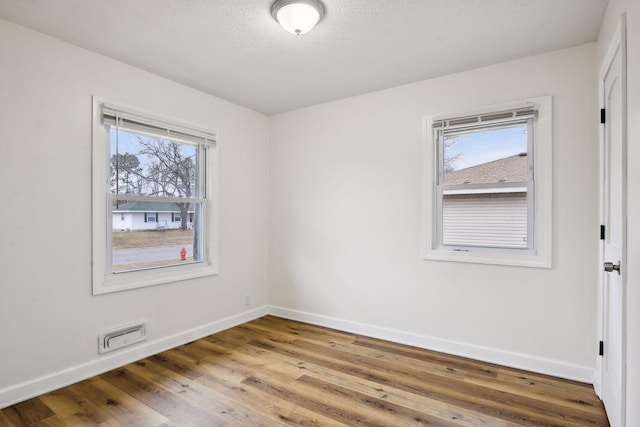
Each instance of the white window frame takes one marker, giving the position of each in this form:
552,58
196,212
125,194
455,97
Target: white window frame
104,281
538,253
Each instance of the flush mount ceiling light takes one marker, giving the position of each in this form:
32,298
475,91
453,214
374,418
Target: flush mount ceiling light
297,16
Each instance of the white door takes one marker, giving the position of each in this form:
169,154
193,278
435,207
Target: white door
613,90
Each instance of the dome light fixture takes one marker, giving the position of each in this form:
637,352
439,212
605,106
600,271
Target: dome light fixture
297,16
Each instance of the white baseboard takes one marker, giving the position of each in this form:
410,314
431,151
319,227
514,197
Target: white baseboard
26,390
500,357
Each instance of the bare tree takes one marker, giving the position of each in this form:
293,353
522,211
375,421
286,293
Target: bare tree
169,172
449,159
125,174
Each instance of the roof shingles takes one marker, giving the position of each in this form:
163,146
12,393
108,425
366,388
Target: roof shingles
138,206
508,169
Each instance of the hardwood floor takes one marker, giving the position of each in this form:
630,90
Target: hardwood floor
272,372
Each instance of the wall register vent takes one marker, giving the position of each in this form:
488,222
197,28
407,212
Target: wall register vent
116,338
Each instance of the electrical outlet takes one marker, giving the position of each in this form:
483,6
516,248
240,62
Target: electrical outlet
247,300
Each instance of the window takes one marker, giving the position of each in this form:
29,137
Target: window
488,189
158,172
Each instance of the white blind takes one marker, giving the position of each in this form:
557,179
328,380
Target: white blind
484,119
129,120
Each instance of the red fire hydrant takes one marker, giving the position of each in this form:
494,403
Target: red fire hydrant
183,254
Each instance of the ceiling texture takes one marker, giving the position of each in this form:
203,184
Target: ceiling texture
235,50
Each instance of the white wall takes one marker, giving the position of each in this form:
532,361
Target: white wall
612,17
49,321
344,192
345,216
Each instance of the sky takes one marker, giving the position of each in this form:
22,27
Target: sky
126,142
484,146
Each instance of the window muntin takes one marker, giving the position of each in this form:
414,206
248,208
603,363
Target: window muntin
159,178
462,193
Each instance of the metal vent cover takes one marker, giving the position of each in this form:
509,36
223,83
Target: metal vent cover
121,337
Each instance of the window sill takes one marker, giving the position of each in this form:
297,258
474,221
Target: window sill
483,256
158,276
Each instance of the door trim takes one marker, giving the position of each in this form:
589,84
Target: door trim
618,41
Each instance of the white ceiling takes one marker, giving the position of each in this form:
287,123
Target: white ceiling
234,49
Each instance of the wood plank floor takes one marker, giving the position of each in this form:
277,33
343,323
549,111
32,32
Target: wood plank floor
272,372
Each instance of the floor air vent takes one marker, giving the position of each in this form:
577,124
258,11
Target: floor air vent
121,337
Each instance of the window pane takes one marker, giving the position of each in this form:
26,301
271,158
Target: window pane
146,165
486,156
479,207
138,244
485,220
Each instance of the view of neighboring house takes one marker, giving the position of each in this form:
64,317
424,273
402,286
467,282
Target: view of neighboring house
136,216
486,216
